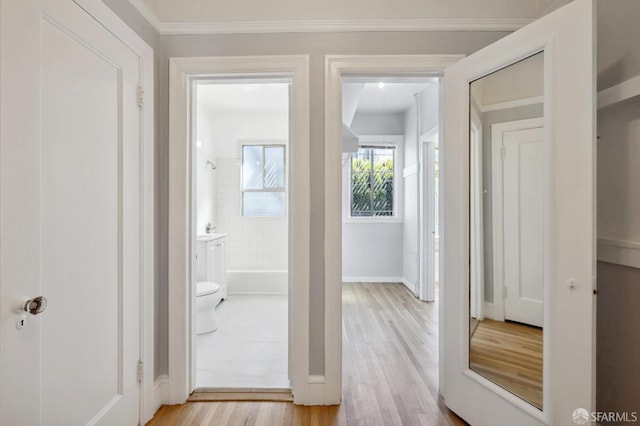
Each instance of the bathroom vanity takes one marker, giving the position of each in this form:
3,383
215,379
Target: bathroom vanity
211,260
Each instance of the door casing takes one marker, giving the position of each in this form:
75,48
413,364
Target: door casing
336,66
183,74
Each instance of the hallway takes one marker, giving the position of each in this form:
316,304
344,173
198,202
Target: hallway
390,364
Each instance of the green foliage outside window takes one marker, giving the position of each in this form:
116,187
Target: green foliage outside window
372,182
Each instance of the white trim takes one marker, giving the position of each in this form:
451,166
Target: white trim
316,390
488,310
353,25
257,293
160,392
335,25
389,280
497,219
535,100
106,17
409,286
476,222
335,67
183,72
624,92
620,252
398,184
410,170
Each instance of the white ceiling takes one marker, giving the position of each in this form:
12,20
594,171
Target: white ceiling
392,98
261,97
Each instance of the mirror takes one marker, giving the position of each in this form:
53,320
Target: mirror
507,229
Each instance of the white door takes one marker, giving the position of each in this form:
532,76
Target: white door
566,39
70,229
523,215
427,260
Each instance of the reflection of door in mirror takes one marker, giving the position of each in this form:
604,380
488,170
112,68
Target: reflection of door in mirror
507,163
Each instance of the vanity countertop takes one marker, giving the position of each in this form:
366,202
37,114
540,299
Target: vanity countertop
210,237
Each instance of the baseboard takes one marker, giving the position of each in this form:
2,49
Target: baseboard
160,392
409,286
620,252
489,311
316,392
371,279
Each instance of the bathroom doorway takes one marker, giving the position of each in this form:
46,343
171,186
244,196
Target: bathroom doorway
241,278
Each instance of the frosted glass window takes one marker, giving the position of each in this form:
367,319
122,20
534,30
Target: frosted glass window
274,167
263,180
263,204
252,167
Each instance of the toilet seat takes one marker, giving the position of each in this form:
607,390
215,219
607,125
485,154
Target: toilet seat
206,287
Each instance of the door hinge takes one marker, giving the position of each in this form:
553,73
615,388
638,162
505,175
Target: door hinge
503,151
504,292
140,96
140,371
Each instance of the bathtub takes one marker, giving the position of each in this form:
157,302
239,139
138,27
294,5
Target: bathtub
257,282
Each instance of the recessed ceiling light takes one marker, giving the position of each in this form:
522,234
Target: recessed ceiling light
199,144
381,85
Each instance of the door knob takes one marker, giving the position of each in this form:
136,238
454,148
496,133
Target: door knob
35,306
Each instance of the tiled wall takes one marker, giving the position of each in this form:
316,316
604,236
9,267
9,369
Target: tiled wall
252,243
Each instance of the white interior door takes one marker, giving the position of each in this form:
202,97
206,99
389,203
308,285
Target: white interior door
566,39
70,230
523,216
427,260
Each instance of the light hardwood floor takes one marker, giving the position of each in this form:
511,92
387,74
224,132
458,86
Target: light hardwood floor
390,371
510,355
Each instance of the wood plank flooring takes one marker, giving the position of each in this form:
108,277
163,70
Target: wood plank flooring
390,365
510,355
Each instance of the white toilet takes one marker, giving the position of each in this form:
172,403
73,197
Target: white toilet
208,295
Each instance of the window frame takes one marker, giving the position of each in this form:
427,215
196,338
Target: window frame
264,144
374,141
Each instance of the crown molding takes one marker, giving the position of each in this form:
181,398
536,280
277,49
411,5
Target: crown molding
355,25
359,25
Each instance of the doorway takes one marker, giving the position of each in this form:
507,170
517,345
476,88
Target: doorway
186,75
241,275
339,67
388,189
